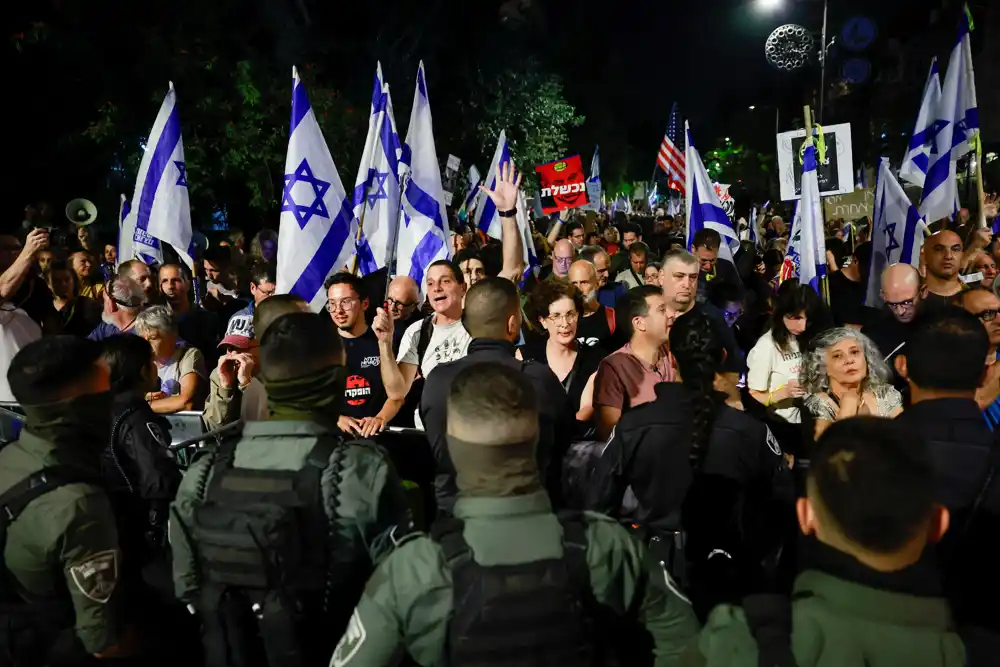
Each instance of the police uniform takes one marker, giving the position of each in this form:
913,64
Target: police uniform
65,540
407,603
362,498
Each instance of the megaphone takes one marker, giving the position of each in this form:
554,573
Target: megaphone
81,212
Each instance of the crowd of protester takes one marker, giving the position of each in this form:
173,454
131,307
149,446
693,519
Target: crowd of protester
642,455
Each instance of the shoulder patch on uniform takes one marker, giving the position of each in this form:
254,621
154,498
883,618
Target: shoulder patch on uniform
772,442
97,576
157,432
350,643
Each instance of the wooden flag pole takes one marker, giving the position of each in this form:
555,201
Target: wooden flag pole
824,285
357,239
980,190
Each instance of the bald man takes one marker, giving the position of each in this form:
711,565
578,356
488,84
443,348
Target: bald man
892,326
403,298
597,325
943,256
562,257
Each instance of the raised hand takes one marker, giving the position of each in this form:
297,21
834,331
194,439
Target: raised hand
505,194
383,325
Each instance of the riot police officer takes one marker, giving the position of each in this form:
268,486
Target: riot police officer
507,581
61,553
274,535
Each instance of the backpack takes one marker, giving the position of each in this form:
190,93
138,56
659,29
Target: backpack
609,314
519,615
263,573
27,630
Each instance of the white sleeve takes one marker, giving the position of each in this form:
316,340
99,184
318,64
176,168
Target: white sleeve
759,363
408,346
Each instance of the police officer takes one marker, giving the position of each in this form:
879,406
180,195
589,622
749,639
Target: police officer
506,581
273,536
692,448
61,554
142,478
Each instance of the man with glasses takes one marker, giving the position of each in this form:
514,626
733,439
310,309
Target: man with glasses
402,299
891,328
366,409
985,305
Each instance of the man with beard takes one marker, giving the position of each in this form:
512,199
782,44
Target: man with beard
140,272
597,325
943,256
608,292
366,410
123,300
197,326
890,328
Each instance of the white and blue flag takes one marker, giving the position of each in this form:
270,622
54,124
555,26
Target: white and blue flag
160,207
123,209
528,256
424,234
595,167
704,210
811,239
652,198
474,178
914,168
376,188
897,231
487,216
317,226
957,123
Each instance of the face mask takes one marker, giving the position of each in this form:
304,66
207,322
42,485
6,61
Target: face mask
83,419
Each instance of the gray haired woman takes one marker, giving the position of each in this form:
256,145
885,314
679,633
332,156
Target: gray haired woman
844,376
181,368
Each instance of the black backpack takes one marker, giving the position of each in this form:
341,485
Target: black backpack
263,541
27,630
424,339
522,615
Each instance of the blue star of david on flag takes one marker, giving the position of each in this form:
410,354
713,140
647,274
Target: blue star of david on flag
182,177
303,174
890,240
377,180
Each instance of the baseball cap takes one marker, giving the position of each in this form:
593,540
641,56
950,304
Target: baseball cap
239,332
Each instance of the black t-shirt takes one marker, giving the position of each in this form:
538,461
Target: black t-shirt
734,362
847,299
596,331
588,359
365,394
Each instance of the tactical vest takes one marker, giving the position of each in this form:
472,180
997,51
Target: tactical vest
28,629
263,541
520,615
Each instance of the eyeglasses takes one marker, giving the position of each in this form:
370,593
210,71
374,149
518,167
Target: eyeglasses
343,304
266,292
568,318
899,305
988,315
393,303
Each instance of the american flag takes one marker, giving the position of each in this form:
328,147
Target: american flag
671,156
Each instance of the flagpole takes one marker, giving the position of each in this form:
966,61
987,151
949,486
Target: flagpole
979,181
824,284
390,260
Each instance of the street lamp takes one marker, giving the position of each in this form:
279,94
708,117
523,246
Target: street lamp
768,5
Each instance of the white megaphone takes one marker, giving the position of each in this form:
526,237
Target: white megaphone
81,212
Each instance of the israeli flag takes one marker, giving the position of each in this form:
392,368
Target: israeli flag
673,205
376,188
123,209
652,198
897,231
914,169
474,179
423,237
957,124
528,255
160,210
317,227
487,216
704,210
595,167
811,242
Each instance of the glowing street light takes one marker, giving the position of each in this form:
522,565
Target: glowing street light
768,5
752,107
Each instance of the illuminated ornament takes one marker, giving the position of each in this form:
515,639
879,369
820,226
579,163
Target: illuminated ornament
789,47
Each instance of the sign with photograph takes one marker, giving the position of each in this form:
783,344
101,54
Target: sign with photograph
563,184
835,174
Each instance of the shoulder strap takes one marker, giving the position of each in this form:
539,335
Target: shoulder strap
319,455
17,498
609,313
574,525
770,620
118,423
448,533
424,339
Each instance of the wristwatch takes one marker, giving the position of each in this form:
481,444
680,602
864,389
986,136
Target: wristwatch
508,214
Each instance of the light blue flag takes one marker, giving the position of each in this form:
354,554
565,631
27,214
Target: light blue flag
812,242
914,168
897,231
317,226
424,234
704,210
160,207
376,189
957,125
487,216
595,167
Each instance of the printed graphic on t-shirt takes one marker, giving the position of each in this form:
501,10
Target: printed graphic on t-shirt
358,390
449,350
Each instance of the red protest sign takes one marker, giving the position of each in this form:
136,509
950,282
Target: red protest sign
563,184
